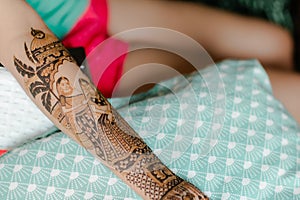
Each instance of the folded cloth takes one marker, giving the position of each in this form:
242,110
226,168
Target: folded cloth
20,119
229,137
2,152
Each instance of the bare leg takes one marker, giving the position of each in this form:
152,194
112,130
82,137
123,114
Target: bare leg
223,34
285,87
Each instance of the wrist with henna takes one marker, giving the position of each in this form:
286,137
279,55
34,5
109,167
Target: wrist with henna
74,104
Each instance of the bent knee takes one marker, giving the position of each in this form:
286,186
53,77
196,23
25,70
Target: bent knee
276,49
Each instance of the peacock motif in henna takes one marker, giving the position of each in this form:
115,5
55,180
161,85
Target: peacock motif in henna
80,107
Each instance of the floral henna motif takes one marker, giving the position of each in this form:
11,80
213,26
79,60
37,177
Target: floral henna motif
80,107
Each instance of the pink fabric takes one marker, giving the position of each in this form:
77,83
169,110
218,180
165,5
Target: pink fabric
2,152
106,60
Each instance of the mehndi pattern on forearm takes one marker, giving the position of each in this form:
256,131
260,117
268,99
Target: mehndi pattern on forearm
78,106
47,54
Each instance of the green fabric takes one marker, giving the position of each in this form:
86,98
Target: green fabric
59,15
276,11
231,138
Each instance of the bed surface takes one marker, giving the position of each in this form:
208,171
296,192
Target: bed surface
230,137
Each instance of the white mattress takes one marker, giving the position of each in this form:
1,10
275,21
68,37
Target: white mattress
20,119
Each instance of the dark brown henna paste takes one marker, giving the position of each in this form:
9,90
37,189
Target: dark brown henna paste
47,54
98,127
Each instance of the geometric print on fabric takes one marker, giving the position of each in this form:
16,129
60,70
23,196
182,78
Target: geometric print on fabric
234,141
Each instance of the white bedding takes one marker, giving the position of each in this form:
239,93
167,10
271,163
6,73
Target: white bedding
20,119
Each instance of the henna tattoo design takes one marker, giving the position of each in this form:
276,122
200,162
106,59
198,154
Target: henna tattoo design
47,54
81,108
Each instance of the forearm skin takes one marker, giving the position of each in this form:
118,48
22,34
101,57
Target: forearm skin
50,76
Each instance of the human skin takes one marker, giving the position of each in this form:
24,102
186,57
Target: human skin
223,35
16,31
285,85
54,82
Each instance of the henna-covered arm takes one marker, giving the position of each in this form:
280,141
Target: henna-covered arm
51,78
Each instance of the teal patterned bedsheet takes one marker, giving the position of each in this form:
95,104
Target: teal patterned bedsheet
232,139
